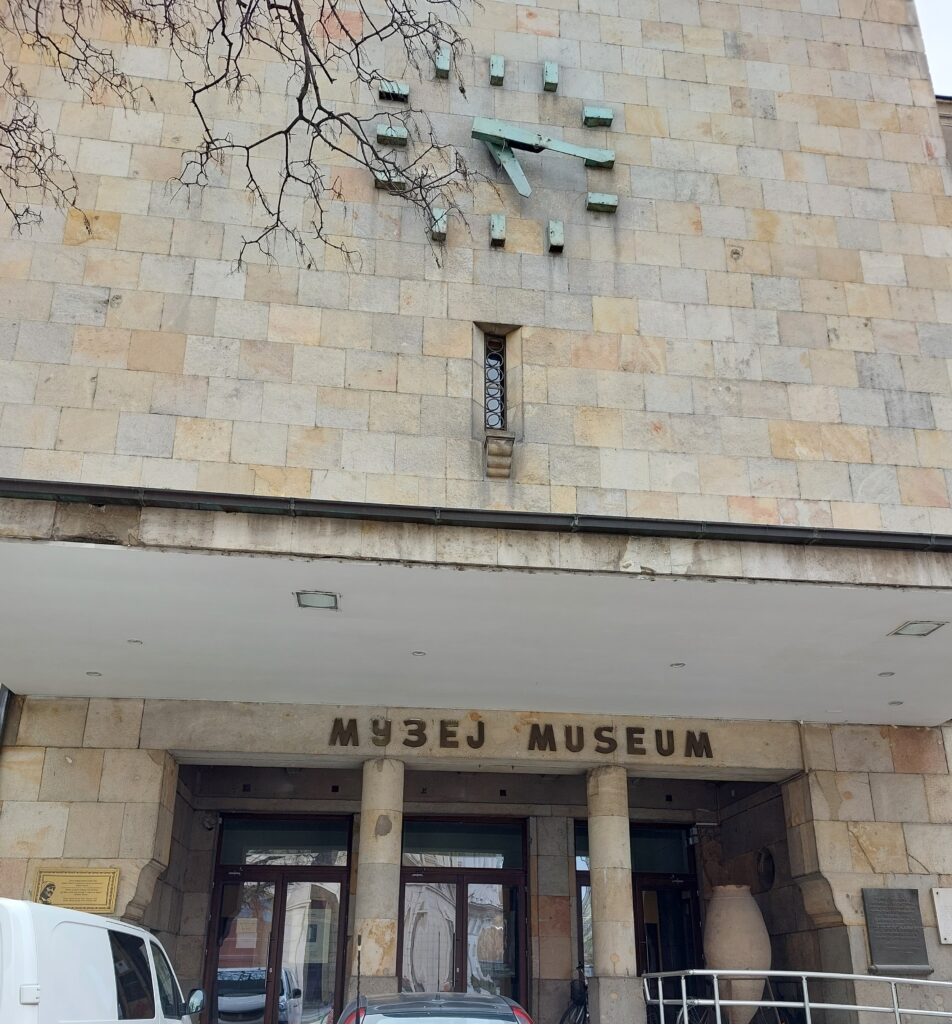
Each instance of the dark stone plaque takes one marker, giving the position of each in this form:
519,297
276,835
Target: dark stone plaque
897,942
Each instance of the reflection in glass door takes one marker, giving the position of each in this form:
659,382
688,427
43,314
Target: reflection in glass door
464,918
246,918
491,938
429,937
309,960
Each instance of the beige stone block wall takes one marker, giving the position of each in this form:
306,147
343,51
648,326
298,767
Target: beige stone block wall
76,791
872,810
178,910
763,333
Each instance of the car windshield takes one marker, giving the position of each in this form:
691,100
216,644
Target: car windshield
248,981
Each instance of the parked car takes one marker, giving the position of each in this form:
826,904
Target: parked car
451,1007
241,992
62,967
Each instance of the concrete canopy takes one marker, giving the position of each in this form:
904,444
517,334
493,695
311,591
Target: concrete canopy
228,627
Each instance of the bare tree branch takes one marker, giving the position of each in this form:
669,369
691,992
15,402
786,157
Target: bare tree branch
336,54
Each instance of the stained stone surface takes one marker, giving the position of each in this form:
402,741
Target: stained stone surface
777,281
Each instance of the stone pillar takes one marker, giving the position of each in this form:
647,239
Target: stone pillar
377,906
615,990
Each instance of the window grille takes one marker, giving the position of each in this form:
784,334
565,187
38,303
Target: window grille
495,379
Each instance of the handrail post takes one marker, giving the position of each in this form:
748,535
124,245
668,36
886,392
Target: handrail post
660,999
895,1000
806,999
717,998
684,1000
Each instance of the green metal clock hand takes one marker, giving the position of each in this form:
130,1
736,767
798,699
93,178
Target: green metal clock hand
506,159
490,130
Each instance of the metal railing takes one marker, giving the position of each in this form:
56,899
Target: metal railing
706,997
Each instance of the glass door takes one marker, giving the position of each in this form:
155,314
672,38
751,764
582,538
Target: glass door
278,923
463,926
462,935
666,921
429,936
492,938
309,960
665,893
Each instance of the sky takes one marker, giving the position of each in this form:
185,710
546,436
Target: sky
935,17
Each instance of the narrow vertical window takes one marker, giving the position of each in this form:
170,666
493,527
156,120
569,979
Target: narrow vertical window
495,377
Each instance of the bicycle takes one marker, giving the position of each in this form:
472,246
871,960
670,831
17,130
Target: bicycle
577,1010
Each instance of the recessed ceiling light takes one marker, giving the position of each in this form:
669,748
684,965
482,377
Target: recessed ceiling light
133,641
94,673
418,654
318,599
917,628
676,664
886,675
896,703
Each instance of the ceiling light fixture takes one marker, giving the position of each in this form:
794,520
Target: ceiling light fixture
318,599
917,628
418,654
896,703
133,641
886,675
676,664
94,673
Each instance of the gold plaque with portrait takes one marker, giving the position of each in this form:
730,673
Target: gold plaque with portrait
90,889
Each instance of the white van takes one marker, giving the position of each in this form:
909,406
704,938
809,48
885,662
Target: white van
64,967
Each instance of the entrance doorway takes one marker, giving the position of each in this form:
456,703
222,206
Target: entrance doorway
665,893
278,922
463,907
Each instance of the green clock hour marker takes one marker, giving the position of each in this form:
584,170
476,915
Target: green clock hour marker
556,236
598,117
392,134
399,91
438,219
601,202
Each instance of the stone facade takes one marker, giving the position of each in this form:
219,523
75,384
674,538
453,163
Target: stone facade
870,808
79,790
760,334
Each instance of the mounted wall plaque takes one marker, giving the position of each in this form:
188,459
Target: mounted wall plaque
897,941
943,914
90,889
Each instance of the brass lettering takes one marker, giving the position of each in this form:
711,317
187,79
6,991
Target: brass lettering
344,735
416,732
635,739
664,742
605,742
541,737
382,730
576,744
474,743
448,729
697,745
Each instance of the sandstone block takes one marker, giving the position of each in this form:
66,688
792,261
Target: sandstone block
93,830
33,829
49,722
71,774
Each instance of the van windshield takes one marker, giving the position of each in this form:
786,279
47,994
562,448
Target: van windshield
246,981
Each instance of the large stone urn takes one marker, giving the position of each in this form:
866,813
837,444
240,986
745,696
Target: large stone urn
735,936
